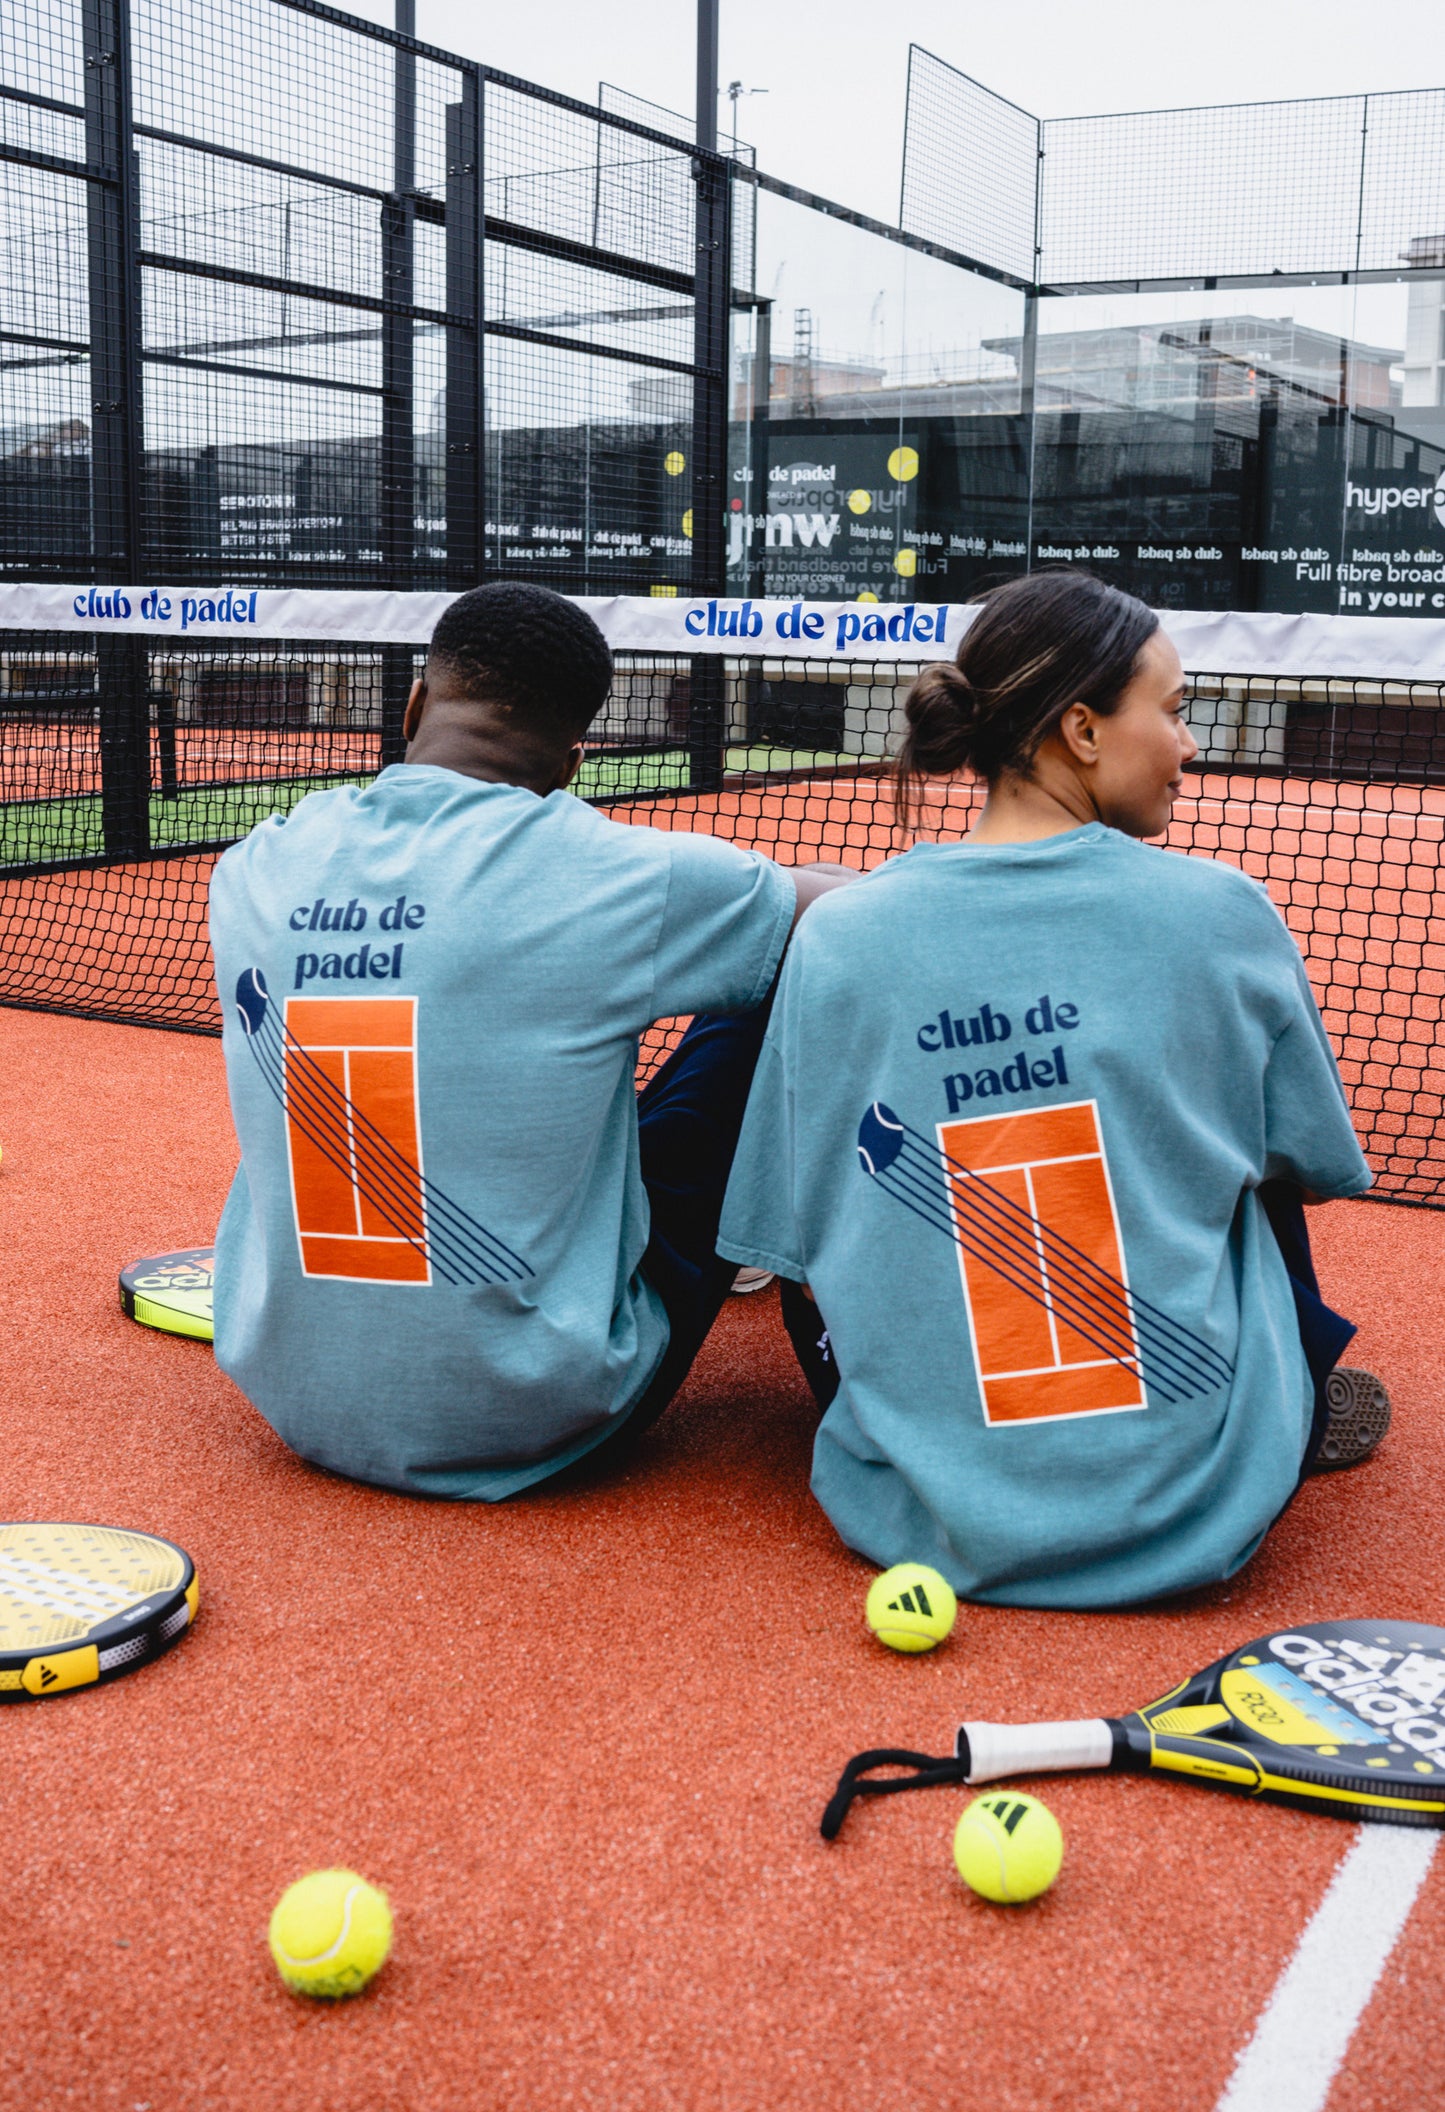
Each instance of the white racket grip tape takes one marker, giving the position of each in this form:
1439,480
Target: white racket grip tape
997,1749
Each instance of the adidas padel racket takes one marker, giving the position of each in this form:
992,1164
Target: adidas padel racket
172,1292
85,1603
1346,1717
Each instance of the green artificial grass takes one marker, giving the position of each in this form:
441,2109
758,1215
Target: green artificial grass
43,831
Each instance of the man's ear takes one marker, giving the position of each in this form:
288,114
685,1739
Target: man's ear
572,765
415,705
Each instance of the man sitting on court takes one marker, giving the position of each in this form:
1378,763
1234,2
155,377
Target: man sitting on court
460,1253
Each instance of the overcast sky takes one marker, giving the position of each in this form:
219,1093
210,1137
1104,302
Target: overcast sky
832,118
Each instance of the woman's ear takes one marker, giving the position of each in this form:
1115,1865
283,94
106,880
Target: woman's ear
1078,729
415,705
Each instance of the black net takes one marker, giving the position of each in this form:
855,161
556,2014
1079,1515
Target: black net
1332,792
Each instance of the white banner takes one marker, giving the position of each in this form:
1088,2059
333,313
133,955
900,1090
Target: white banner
1379,648
826,630
1388,648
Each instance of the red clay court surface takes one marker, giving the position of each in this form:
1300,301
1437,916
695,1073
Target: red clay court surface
583,1739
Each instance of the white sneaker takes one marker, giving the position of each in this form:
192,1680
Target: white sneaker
749,1280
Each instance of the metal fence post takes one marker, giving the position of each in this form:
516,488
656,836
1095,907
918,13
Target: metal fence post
1029,360
712,333
112,242
756,540
398,446
465,402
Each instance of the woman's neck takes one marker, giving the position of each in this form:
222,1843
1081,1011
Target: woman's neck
1028,809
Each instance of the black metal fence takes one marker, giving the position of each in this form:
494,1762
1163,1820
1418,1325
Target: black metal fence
295,298
1333,188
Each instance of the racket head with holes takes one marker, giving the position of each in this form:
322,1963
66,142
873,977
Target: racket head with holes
172,1292
1345,1717
82,1604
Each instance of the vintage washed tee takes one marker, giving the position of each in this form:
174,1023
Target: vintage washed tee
1008,1124
427,1269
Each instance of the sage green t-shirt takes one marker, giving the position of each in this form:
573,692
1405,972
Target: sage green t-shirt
1008,1124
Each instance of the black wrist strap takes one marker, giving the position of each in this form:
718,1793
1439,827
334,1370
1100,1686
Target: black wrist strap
923,1772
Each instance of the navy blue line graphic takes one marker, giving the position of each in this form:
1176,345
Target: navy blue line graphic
1074,1275
1073,1278
462,1249
1036,1260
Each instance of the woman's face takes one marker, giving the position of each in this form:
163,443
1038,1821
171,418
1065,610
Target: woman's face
1141,749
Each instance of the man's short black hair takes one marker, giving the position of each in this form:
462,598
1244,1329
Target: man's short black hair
528,650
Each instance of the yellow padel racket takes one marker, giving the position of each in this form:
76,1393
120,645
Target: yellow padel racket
81,1604
172,1292
1345,1717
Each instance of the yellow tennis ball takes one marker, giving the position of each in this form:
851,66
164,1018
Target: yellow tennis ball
329,1933
1008,1847
911,1607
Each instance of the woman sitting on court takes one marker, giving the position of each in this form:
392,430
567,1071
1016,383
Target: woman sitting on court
1033,1122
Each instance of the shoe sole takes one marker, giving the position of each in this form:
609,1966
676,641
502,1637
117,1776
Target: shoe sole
1359,1416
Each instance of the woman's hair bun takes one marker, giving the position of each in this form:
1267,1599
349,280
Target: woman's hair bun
942,710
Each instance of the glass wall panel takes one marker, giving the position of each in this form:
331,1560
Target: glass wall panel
587,461
1194,446
1393,561
887,454
45,394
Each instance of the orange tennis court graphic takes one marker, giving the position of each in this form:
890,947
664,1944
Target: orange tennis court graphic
1032,1362
360,1209
343,1071
1054,1326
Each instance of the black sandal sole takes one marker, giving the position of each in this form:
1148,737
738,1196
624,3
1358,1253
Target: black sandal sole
1359,1416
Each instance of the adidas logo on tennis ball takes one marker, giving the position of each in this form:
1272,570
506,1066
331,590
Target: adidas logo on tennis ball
1008,1848
911,1607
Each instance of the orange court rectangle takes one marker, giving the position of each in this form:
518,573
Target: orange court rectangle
1042,1264
352,1022
354,1138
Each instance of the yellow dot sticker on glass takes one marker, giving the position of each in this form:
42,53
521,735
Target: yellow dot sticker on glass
687,522
676,462
860,501
867,595
903,464
905,564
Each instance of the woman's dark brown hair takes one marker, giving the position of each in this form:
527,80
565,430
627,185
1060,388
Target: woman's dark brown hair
1036,646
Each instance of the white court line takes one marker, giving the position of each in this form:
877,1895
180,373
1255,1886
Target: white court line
1307,2024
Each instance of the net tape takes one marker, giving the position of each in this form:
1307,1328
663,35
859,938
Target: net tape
1322,773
